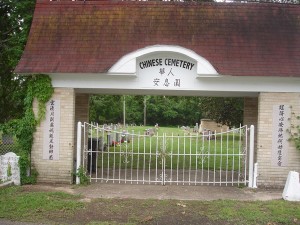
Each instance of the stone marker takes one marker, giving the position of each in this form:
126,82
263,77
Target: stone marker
9,168
291,190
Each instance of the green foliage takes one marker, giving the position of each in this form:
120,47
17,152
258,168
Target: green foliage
15,20
164,110
39,88
294,130
16,115
227,111
106,108
173,110
81,173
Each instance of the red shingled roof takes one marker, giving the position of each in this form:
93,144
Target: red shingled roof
90,37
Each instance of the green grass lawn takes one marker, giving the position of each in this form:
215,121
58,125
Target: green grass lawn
23,204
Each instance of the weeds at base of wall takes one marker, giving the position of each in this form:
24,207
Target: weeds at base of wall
81,173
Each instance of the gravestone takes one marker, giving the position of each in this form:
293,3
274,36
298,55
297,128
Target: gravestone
9,168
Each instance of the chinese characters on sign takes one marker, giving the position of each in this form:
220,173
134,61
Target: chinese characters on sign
166,81
281,115
161,71
51,131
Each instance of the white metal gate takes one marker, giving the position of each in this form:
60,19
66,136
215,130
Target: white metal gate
119,156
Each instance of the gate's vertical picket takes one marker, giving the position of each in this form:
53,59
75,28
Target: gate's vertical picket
221,156
171,158
227,158
215,154
150,160
177,168
245,151
251,156
196,159
163,160
190,165
144,160
102,154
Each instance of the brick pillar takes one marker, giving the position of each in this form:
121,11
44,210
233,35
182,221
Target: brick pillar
57,171
270,175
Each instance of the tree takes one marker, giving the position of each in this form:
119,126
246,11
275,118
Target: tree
227,111
15,20
106,108
164,110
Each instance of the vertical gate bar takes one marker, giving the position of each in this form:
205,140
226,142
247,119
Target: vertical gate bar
178,144
97,149
171,158
190,164
202,158
227,155
126,160
196,157
144,161
131,138
156,155
89,150
251,157
108,153
208,157
102,154
138,158
120,165
131,166
184,145
132,150
245,154
240,143
164,171
215,155
150,158
233,159
114,159
163,157
221,156
78,160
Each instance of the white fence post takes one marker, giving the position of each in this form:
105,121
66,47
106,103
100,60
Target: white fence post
251,156
78,160
255,175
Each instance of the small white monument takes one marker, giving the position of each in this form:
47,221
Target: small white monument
9,168
291,190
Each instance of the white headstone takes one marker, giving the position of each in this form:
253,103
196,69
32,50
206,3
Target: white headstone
291,190
9,168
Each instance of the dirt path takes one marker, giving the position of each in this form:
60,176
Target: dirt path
207,193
